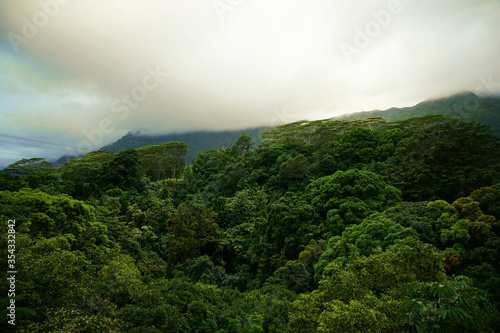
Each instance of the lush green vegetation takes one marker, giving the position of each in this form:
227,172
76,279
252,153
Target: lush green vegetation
197,141
466,106
324,226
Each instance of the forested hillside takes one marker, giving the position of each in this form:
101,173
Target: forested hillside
466,106
197,141
324,226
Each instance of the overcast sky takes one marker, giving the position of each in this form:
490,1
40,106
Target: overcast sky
84,73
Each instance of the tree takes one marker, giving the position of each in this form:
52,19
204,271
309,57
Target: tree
374,232
414,215
363,146
481,225
42,215
242,145
195,232
85,173
489,199
244,207
122,171
442,157
360,291
165,160
450,228
9,182
294,276
33,171
355,316
26,167
347,197
292,223
442,307
294,171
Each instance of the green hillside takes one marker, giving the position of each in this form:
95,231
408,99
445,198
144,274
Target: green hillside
466,106
197,141
324,226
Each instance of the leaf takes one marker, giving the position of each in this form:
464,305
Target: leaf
457,314
443,291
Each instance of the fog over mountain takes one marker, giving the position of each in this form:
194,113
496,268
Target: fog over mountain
84,73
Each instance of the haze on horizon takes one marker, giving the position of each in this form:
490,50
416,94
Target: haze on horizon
71,69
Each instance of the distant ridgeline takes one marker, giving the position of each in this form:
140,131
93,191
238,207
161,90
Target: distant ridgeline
196,141
465,106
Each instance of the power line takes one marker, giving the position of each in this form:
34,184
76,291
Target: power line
31,145
82,150
40,141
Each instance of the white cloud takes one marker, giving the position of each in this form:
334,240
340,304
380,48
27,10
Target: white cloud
234,73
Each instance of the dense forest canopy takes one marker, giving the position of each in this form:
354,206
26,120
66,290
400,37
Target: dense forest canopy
324,226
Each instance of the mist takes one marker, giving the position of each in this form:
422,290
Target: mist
84,73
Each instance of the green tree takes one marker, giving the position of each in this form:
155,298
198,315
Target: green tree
363,146
294,276
481,225
442,157
194,230
347,197
367,290
450,228
374,232
414,215
122,171
443,307
489,199
294,171
85,172
162,161
43,215
27,167
292,223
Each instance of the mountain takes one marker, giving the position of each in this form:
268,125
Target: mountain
197,141
466,106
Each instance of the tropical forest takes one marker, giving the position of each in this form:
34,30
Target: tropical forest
332,225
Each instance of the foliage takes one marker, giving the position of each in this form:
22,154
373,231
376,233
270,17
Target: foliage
414,215
365,289
163,160
305,232
347,197
448,160
442,307
194,231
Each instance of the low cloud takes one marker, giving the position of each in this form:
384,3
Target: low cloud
232,64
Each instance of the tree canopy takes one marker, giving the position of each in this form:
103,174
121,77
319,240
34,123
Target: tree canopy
324,226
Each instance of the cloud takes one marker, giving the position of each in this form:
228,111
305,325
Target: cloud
237,71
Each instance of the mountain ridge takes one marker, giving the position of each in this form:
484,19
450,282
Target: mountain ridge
466,106
196,140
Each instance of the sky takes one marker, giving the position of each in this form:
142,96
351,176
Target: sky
76,75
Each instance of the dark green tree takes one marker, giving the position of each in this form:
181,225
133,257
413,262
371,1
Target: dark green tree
347,197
